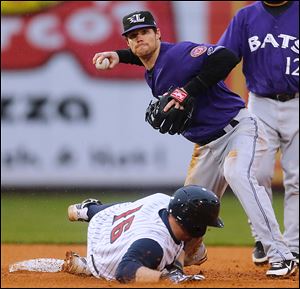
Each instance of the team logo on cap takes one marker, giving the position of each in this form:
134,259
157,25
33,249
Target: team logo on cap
136,18
197,51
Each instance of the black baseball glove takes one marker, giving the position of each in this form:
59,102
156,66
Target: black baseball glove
174,120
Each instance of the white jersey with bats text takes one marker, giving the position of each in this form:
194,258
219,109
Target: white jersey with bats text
113,230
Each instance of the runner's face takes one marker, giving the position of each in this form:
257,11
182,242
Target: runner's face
143,42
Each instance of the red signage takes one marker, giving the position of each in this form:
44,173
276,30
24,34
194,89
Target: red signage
80,28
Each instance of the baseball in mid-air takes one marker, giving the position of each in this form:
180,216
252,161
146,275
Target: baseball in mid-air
102,65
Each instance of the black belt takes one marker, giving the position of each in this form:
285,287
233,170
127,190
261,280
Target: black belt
233,123
283,96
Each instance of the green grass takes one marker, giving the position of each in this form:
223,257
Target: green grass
236,230
40,218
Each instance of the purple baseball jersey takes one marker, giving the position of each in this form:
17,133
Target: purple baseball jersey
269,46
175,66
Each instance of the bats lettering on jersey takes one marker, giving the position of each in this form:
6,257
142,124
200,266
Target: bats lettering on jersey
283,41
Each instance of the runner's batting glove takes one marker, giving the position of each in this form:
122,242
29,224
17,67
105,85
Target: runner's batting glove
177,276
174,273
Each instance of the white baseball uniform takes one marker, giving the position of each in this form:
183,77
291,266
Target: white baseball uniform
114,229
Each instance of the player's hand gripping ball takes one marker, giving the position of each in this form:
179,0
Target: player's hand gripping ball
102,65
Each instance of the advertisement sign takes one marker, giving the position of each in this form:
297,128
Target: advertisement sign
64,123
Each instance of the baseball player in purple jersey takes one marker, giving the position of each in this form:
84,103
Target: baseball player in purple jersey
143,240
229,140
266,36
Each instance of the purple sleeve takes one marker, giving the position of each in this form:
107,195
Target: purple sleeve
232,36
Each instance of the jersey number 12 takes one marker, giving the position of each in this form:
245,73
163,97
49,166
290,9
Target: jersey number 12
288,67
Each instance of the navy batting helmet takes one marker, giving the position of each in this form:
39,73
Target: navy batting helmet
195,208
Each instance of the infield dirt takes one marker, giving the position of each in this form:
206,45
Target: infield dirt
226,267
